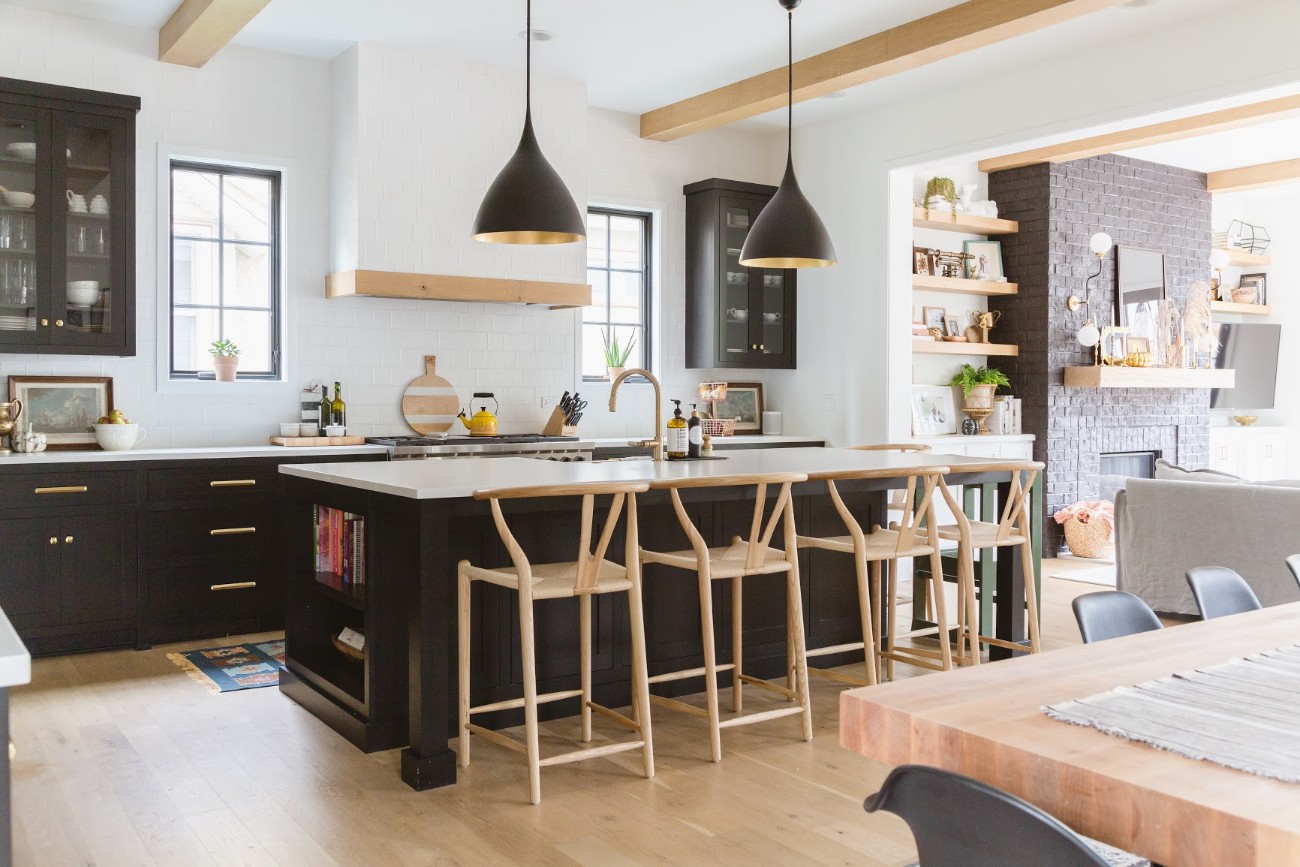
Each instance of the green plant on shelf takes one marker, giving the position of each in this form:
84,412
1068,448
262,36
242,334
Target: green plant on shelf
969,377
945,189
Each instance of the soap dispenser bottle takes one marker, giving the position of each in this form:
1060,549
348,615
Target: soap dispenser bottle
694,434
677,434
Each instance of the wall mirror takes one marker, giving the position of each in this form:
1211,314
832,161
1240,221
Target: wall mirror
1140,288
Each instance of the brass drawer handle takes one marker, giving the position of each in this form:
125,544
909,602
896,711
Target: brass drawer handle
232,483
235,585
67,540
63,489
54,540
232,531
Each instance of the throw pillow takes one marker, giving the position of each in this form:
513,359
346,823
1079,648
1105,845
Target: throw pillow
1174,473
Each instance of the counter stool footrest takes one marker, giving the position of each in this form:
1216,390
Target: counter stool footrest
688,673
772,687
834,648
511,703
674,704
832,674
760,716
615,716
591,753
1009,645
919,661
497,738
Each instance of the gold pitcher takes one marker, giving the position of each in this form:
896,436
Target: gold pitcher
9,413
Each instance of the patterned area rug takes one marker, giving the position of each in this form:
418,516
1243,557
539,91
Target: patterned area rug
240,666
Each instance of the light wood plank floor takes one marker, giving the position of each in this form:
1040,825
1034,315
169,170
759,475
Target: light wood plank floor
123,760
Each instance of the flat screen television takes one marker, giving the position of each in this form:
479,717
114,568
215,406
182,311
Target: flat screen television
1250,349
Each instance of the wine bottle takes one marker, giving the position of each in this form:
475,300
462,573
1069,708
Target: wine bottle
338,409
326,409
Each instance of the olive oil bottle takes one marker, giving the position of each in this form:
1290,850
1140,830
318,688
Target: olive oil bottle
338,409
326,409
677,434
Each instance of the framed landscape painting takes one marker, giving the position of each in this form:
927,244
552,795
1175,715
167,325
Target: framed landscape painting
63,407
744,401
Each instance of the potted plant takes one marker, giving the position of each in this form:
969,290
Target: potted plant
225,359
978,385
615,355
941,188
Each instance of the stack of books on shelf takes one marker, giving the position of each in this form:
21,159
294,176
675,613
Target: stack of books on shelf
341,548
1005,418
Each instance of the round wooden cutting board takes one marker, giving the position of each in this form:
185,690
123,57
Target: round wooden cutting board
430,404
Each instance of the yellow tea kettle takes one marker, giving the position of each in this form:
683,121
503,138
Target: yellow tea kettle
483,423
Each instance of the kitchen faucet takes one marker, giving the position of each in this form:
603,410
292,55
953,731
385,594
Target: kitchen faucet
655,442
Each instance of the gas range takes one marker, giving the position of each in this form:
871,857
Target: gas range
550,448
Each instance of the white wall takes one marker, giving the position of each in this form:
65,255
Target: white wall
856,170
1278,210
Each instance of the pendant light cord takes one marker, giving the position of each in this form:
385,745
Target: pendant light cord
789,68
528,61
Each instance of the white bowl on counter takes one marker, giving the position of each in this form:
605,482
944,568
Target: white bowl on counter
118,437
83,292
15,199
335,430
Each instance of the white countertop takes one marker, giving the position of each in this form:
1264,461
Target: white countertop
206,452
980,438
432,480
15,661
738,441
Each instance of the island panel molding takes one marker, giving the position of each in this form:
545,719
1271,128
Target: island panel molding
911,45
449,287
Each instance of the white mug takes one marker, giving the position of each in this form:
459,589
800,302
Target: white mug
99,205
772,422
76,203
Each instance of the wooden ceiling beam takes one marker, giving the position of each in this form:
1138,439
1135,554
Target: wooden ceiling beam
1253,177
1152,134
944,34
198,29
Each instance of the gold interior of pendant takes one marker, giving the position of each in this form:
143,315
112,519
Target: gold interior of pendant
531,236
787,262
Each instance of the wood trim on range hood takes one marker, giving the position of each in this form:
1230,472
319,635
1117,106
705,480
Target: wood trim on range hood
447,287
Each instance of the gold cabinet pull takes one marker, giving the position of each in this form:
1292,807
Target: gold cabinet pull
45,322
67,540
54,540
234,585
232,531
63,489
58,322
232,483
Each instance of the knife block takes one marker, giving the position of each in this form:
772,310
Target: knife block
555,426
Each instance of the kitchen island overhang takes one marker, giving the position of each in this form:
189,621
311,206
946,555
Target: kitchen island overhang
420,518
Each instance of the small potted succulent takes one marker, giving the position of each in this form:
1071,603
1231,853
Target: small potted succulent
225,360
615,355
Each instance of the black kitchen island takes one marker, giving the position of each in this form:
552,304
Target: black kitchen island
406,524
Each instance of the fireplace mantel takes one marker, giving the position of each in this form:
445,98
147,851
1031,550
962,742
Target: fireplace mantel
1107,376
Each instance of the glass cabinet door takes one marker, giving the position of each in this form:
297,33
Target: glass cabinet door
773,313
24,134
88,295
734,299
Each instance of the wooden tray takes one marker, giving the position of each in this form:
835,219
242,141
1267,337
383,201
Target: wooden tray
313,442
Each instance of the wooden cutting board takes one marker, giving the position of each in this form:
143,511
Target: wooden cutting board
321,442
430,404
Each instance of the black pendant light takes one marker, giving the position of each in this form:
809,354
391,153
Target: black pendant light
528,203
788,233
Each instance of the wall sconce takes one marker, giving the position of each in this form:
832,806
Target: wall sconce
1089,335
1218,261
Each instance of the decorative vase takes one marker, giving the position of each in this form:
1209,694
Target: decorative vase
980,397
224,366
615,372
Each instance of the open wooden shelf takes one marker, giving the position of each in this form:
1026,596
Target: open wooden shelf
935,347
1240,258
965,287
1098,376
967,223
442,287
1244,309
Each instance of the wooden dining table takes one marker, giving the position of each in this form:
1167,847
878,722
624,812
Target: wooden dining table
987,722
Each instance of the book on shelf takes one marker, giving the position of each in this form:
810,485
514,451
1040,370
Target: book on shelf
340,545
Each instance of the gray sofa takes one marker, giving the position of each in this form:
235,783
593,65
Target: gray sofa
1165,527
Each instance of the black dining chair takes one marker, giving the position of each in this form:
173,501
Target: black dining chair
1112,614
960,821
1294,562
1219,591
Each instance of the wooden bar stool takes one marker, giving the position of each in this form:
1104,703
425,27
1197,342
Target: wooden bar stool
744,557
896,496
589,575
913,535
1011,530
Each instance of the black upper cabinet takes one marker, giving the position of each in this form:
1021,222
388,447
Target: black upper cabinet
735,316
67,261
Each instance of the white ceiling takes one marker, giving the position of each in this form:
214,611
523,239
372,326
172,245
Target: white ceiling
637,55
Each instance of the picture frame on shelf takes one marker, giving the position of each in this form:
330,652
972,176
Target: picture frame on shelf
1256,281
952,326
985,262
934,411
934,317
744,402
921,264
64,408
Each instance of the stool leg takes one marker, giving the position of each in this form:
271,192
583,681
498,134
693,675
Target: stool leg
864,605
1031,595
529,664
462,659
640,678
737,642
795,632
940,606
584,626
885,625
710,664
966,573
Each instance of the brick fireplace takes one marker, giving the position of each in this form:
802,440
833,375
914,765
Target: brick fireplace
1059,207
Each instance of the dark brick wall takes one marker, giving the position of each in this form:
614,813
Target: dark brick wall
1140,204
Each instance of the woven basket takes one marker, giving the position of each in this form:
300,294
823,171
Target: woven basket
1091,540
718,427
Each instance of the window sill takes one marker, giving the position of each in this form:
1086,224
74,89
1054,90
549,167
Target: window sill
209,385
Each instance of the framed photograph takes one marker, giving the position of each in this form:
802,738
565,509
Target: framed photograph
986,260
952,326
63,407
934,317
921,261
1258,282
1137,344
744,401
934,411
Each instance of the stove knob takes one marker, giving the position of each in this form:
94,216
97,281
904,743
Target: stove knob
580,458
565,459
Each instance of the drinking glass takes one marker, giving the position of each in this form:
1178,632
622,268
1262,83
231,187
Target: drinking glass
101,241
6,223
80,239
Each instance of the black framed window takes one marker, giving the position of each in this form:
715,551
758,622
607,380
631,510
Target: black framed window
618,269
225,268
